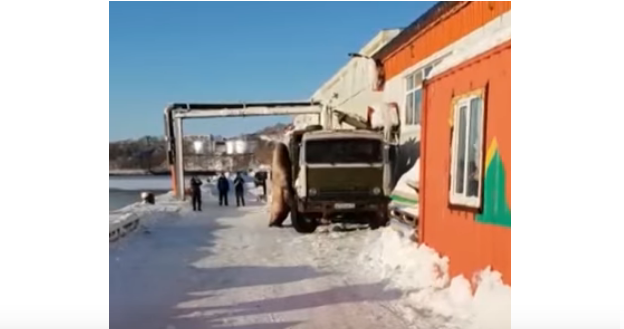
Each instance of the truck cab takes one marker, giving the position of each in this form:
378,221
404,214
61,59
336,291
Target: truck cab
338,176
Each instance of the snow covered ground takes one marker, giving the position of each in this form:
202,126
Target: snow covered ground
224,268
430,298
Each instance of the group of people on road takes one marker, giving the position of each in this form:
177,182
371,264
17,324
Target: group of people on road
223,187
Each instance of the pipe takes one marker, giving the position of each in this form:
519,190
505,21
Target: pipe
240,105
170,141
248,111
179,159
169,134
174,113
424,122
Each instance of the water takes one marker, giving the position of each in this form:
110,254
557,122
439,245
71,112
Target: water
126,190
121,198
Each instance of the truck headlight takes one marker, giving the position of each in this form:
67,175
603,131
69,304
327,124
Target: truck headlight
376,191
312,192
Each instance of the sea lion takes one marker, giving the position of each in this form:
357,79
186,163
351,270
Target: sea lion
281,185
279,209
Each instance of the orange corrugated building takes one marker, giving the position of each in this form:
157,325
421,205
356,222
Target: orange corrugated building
457,57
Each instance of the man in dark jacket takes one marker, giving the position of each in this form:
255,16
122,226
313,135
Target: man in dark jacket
224,187
239,189
196,183
261,178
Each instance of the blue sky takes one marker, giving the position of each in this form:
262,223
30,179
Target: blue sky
163,52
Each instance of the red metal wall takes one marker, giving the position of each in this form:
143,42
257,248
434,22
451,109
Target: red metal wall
470,245
448,28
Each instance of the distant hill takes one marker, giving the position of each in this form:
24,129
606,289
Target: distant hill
149,153
277,129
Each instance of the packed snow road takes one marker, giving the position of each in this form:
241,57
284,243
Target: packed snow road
224,268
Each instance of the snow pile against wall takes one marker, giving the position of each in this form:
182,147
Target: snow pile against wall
431,298
492,302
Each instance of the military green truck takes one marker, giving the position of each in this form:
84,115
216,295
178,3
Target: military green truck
338,177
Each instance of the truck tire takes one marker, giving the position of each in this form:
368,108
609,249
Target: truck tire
381,220
301,224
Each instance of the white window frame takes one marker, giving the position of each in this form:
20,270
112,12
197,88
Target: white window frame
418,76
462,199
411,113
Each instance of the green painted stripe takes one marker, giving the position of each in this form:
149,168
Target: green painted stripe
401,199
496,211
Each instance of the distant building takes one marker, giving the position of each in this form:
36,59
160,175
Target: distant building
220,147
352,88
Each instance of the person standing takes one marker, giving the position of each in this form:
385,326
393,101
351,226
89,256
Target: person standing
196,184
261,178
239,189
223,185
264,184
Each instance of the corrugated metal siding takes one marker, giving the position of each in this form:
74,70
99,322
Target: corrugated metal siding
470,246
450,27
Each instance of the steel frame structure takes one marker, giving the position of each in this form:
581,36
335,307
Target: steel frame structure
175,114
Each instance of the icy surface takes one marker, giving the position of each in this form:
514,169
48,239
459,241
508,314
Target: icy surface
224,268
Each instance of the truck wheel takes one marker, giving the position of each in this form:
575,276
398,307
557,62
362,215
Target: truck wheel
380,220
302,224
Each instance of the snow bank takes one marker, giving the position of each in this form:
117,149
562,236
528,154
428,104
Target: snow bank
129,218
121,224
431,298
492,302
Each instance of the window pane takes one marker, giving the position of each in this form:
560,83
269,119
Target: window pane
474,148
344,151
428,71
418,78
409,109
417,105
410,82
461,151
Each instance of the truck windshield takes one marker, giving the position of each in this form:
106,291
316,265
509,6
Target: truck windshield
343,151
